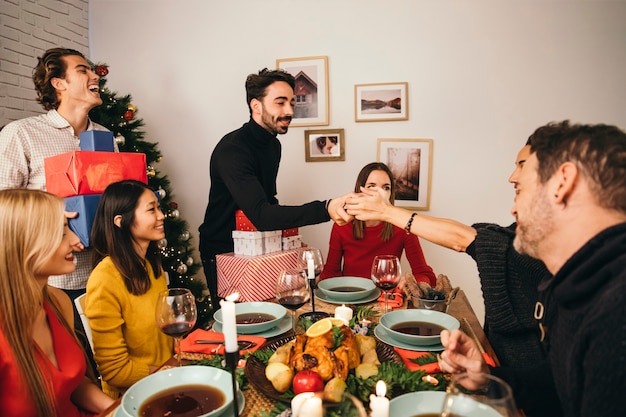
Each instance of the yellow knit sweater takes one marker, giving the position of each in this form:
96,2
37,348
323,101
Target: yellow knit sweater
126,339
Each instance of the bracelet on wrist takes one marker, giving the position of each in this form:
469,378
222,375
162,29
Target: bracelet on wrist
328,203
407,228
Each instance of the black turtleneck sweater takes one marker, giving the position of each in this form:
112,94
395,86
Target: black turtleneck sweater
244,167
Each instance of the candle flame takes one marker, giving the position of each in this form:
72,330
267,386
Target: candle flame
381,388
233,297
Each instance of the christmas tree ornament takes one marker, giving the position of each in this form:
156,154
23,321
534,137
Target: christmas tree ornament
189,261
102,70
161,192
150,171
162,244
129,115
120,140
174,214
185,235
182,269
132,107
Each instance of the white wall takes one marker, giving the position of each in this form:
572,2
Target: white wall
482,76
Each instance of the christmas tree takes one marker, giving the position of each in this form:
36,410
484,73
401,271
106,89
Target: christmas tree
118,114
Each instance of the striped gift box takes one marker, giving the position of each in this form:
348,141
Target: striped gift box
253,277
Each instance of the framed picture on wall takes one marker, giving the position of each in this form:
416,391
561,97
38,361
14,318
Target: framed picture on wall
381,102
410,161
311,90
324,145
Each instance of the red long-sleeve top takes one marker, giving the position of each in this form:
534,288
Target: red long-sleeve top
358,255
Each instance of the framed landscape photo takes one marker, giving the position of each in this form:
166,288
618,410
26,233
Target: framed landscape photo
381,102
410,161
324,145
311,90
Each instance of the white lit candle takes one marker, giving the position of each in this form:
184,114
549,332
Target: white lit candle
344,313
298,401
311,268
379,404
229,322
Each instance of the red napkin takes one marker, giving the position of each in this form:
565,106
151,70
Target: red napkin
407,355
394,302
189,344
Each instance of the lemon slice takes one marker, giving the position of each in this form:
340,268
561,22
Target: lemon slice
320,327
337,322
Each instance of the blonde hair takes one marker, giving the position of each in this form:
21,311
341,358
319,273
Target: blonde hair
31,229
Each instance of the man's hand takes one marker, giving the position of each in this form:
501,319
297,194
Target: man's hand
78,247
337,212
368,205
461,354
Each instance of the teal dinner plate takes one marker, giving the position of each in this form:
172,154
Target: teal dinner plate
372,297
384,336
283,326
417,403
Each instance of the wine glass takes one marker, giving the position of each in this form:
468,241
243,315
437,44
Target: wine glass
478,394
292,291
312,262
176,314
386,274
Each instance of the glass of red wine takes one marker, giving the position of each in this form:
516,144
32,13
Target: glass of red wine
312,262
386,274
292,291
176,314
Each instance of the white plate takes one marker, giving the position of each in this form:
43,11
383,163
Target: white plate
417,403
372,297
241,402
283,326
383,335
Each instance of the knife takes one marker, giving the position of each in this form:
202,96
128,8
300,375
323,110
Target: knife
243,344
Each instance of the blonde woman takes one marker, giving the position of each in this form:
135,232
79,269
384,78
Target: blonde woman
42,364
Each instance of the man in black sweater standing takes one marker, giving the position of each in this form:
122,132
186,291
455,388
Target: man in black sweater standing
243,170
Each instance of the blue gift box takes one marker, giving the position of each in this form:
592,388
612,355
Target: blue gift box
97,140
86,206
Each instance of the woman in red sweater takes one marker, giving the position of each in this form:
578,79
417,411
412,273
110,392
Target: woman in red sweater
352,247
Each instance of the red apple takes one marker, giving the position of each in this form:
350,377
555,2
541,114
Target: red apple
307,381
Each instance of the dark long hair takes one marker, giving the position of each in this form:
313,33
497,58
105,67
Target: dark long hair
121,198
358,226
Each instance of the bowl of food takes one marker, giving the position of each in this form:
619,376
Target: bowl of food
417,326
417,404
180,390
346,288
255,317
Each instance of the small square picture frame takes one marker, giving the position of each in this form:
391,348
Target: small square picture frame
382,102
324,145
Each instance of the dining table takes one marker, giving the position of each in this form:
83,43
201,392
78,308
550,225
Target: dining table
256,402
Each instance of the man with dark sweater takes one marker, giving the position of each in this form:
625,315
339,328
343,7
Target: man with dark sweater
570,209
243,170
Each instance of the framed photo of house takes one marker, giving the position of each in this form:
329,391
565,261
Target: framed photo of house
324,145
311,90
381,102
410,162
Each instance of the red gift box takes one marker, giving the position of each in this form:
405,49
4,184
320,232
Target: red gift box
242,222
89,172
290,232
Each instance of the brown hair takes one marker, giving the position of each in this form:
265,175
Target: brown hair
358,226
51,65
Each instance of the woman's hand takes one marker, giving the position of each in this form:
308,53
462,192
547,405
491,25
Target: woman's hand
368,205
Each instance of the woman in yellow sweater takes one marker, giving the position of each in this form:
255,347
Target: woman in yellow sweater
123,288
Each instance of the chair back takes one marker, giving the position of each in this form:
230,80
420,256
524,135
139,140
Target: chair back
80,307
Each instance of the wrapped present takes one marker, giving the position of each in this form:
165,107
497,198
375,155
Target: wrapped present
248,243
253,277
97,140
271,242
256,243
291,242
86,206
290,232
87,172
243,223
